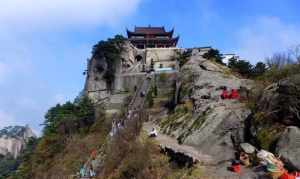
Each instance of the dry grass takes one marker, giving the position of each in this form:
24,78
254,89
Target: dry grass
138,158
76,151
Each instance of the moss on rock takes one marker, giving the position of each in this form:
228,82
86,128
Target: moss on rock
268,136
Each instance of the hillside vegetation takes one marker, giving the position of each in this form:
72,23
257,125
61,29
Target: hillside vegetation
71,131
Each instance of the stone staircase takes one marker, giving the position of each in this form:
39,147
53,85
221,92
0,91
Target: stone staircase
137,104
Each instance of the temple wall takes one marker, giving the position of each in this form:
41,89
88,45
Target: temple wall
164,56
165,64
130,81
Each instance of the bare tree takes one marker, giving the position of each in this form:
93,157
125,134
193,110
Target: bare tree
295,52
279,60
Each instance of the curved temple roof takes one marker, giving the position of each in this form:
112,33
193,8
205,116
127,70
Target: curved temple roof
150,31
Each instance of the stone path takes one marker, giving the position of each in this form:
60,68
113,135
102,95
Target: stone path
166,141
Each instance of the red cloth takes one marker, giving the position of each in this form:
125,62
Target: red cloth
234,94
224,94
286,175
236,168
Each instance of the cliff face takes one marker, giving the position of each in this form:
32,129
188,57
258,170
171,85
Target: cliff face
13,139
276,120
205,121
96,87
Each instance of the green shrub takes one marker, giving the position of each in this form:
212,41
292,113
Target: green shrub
8,164
214,55
268,136
70,117
241,66
259,69
163,77
184,57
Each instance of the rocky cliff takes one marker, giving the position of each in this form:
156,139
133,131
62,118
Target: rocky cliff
274,124
212,125
96,84
13,139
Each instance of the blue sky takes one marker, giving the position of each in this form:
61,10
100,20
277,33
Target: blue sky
45,44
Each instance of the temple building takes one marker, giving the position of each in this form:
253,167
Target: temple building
152,37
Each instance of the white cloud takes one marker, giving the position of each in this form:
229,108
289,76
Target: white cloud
52,13
265,36
6,119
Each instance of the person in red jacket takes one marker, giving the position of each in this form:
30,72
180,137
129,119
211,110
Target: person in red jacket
93,154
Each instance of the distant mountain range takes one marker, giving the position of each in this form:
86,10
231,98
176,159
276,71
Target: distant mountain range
13,139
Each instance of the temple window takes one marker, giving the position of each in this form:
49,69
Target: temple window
150,45
162,37
140,46
138,37
138,58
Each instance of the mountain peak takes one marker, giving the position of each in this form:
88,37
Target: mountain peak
13,139
17,132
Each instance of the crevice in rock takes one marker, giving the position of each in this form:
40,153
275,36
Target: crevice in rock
180,159
203,67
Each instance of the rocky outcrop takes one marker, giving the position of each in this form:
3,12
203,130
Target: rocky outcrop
288,147
277,106
97,87
13,139
215,126
281,101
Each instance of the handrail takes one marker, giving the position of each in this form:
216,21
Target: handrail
136,94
